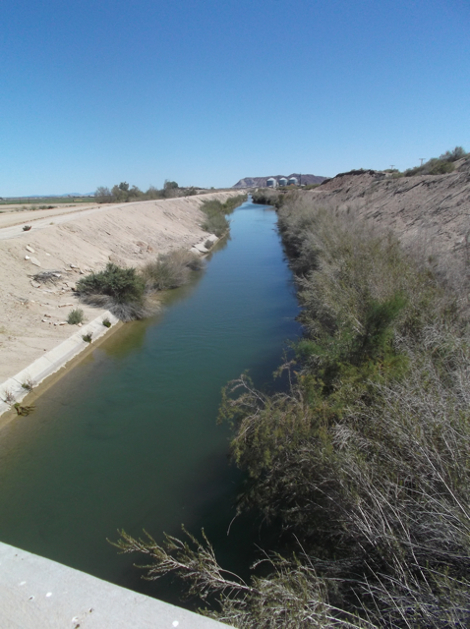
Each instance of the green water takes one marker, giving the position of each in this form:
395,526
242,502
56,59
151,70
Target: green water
128,439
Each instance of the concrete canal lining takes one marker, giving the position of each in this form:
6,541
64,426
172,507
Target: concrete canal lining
37,593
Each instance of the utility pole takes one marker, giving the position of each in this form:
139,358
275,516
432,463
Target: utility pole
422,160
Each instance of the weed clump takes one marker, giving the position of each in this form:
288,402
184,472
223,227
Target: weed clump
87,337
46,277
23,411
75,316
106,322
8,396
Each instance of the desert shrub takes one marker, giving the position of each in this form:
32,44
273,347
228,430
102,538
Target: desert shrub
452,156
124,311
265,196
216,211
123,285
117,289
87,337
171,270
216,224
106,322
438,166
75,316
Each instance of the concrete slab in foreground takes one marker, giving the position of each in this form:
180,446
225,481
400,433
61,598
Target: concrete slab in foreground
37,593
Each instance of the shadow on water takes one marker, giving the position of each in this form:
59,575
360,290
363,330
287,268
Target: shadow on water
128,439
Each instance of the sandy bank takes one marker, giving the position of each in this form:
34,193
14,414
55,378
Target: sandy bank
73,243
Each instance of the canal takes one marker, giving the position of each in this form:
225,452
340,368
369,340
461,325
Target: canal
128,438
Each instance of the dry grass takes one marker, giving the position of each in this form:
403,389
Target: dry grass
171,270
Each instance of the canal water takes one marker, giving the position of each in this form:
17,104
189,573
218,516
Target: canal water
128,439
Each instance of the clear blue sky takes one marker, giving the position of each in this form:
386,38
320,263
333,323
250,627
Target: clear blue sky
204,92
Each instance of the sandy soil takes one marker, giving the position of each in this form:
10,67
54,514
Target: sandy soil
74,242
12,215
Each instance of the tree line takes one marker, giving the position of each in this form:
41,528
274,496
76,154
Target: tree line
123,192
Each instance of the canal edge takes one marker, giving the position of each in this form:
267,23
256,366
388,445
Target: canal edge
12,389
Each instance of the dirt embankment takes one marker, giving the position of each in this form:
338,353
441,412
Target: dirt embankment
430,211
32,314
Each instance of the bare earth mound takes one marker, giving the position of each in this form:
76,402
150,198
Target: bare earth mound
73,243
430,211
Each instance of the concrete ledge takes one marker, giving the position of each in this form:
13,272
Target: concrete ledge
12,391
37,593
201,249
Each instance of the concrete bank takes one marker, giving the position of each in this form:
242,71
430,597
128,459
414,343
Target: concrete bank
37,593
16,388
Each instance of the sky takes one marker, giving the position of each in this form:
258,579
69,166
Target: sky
205,92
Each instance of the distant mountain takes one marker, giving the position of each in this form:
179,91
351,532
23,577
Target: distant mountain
260,182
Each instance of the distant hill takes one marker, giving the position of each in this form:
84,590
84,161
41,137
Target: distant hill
260,182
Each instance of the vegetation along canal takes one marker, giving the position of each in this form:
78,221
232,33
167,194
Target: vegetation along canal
128,439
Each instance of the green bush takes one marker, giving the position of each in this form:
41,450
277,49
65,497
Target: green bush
216,211
123,285
75,316
438,166
265,196
216,224
117,289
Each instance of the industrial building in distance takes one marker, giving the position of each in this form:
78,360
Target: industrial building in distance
295,179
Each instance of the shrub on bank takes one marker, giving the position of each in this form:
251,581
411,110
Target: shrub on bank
122,291
216,211
438,166
265,196
171,270
117,289
75,316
